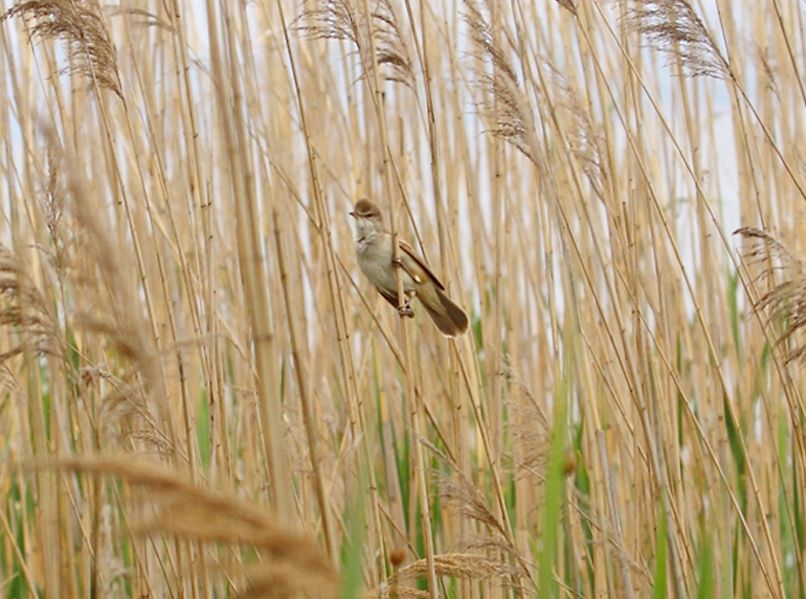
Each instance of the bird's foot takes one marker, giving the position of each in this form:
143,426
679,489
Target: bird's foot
405,310
397,262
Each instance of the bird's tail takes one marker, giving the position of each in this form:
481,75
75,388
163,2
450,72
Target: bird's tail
446,314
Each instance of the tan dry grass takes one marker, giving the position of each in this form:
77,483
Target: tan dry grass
177,279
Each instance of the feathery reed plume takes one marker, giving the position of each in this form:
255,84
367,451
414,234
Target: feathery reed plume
401,593
766,60
468,499
785,302
391,49
113,309
78,23
468,566
140,17
53,208
23,307
128,331
459,565
501,100
584,136
292,562
125,407
343,20
9,387
674,28
530,432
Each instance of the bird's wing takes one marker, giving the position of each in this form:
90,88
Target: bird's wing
408,252
389,296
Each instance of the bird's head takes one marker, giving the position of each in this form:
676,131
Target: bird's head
367,215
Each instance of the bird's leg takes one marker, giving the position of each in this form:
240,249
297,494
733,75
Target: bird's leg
405,309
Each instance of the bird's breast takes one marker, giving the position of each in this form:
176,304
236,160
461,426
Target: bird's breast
375,260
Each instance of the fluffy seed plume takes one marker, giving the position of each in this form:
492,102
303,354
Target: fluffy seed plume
79,24
784,304
584,136
501,101
344,20
459,565
467,566
292,564
24,309
460,493
674,28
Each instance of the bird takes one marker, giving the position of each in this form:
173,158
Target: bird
373,248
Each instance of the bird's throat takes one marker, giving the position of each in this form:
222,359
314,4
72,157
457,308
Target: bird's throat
367,234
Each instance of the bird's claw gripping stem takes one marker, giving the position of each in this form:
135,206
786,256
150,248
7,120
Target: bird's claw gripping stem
405,309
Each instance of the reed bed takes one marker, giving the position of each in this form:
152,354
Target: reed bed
203,397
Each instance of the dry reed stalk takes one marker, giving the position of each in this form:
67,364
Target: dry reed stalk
376,46
319,485
251,270
444,211
673,26
357,419
414,399
712,348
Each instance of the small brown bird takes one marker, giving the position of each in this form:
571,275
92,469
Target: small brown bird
374,250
